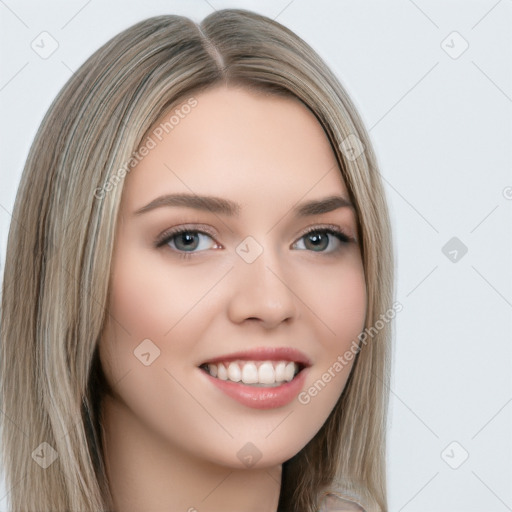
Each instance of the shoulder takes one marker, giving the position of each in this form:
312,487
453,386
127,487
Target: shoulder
338,502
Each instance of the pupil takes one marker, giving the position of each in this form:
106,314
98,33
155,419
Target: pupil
316,240
187,239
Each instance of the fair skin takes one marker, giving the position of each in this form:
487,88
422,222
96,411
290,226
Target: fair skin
173,438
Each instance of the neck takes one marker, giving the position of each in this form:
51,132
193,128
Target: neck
147,473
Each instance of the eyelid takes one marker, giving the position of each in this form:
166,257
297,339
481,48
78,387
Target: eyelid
168,233
333,227
163,238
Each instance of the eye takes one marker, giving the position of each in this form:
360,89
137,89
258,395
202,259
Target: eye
186,240
318,239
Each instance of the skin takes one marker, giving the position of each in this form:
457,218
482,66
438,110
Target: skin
171,436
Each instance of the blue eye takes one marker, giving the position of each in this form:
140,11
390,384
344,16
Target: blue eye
187,241
317,239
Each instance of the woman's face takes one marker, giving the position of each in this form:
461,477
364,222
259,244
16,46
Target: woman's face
245,291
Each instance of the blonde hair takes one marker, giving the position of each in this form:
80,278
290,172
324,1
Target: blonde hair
56,280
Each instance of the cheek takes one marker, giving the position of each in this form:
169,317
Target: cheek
149,295
338,300
337,297
153,299
347,309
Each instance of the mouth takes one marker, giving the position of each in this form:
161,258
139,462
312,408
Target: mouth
268,373
260,367
259,379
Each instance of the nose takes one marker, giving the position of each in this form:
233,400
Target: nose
260,293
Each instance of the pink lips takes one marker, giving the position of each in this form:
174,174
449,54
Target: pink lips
262,397
265,354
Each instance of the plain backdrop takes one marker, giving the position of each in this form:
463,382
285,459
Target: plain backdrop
433,83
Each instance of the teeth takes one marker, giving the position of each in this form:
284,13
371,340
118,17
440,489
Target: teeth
222,373
265,373
249,373
280,367
289,372
234,373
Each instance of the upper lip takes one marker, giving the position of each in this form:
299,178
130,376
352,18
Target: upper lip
264,354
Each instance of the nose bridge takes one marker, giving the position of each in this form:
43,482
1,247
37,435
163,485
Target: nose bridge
261,290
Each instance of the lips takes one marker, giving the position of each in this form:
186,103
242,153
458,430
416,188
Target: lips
261,378
264,354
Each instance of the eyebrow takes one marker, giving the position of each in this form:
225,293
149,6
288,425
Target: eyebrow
230,208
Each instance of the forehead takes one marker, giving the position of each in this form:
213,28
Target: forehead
238,144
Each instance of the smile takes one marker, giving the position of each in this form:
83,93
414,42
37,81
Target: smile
259,378
254,373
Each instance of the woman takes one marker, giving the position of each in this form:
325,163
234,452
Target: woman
249,373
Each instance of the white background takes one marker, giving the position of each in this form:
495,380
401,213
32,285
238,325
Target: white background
442,130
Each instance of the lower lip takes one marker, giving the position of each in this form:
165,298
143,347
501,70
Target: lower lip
261,397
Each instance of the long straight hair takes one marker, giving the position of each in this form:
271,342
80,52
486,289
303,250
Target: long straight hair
56,279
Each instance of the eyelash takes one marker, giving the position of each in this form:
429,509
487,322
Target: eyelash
168,235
